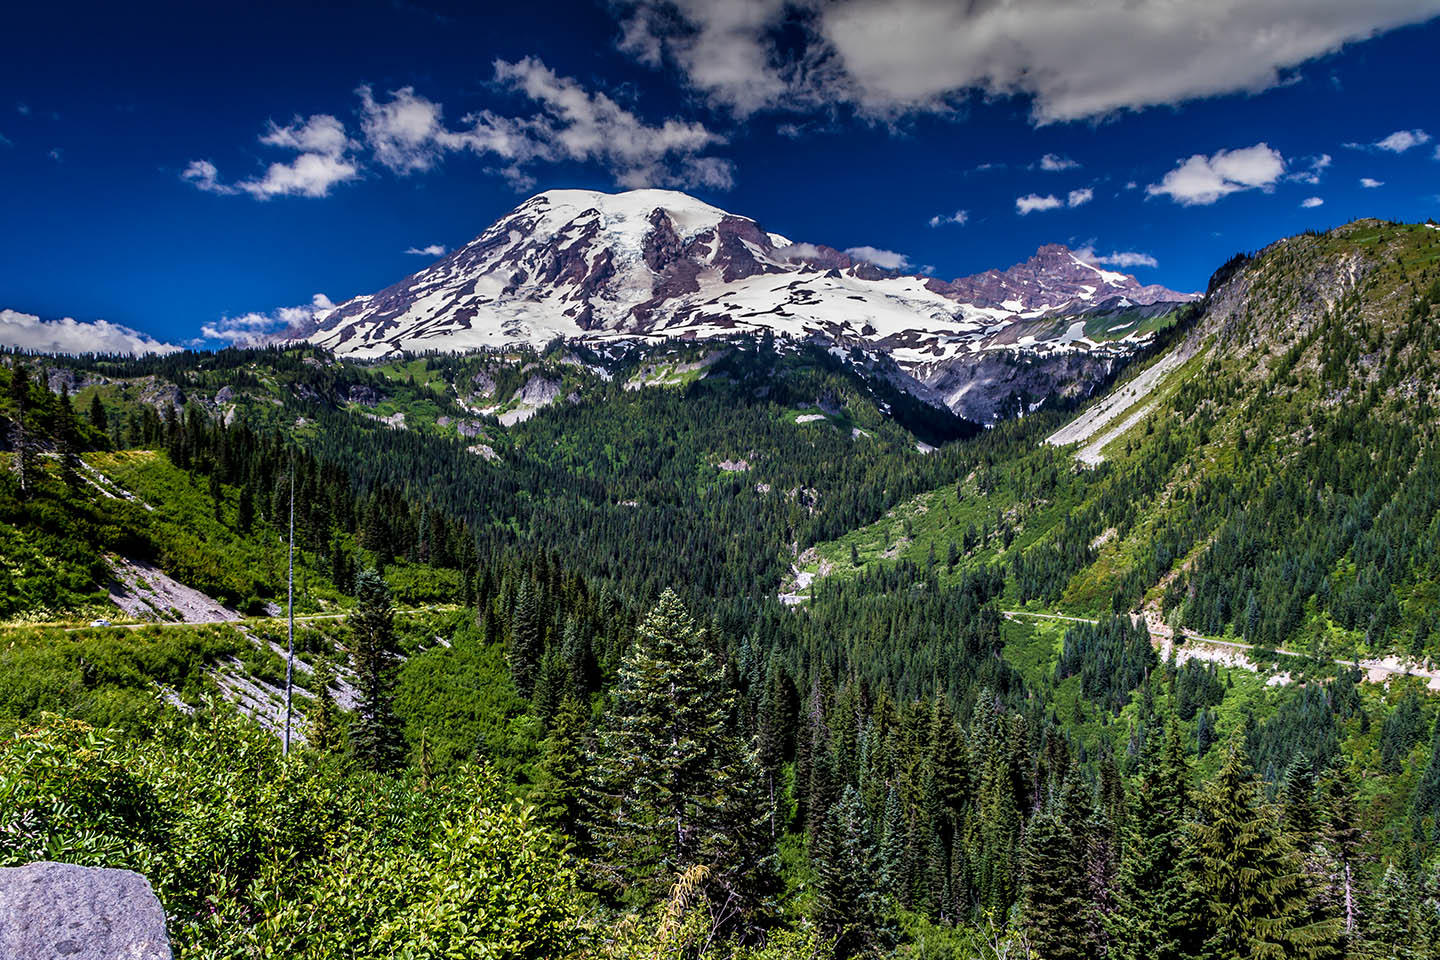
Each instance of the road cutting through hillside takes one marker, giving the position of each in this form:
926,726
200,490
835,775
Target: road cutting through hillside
1232,653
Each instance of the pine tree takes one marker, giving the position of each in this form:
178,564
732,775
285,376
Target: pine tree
245,514
561,771
527,638
1157,915
1390,932
324,733
1054,897
22,439
848,904
376,739
1425,809
67,441
672,787
892,845
1247,875
97,414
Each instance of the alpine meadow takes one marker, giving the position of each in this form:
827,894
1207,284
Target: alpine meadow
633,581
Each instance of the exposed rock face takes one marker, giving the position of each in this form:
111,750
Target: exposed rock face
582,265
50,911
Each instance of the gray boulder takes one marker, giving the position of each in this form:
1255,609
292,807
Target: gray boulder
58,911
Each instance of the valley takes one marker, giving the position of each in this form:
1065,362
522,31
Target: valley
913,650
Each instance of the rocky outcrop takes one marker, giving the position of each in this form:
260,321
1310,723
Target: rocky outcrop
50,911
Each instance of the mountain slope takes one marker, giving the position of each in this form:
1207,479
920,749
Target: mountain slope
1273,477
650,264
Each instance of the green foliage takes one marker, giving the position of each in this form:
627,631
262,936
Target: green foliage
255,855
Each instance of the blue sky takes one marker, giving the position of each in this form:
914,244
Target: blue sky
180,173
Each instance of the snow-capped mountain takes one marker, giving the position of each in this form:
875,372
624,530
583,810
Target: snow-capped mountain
655,264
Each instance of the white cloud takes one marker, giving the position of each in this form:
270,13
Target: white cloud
1202,180
1033,202
886,259
324,159
56,154
255,329
1316,167
433,250
798,251
1131,185
1402,140
308,175
1080,197
1118,258
1370,183
28,332
6,141
321,134
407,133
959,218
22,108
1074,60
1053,162
1310,203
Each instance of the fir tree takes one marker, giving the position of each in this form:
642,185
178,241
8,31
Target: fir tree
527,638
1054,898
673,788
376,738
22,439
67,441
848,904
325,732
1246,873
97,414
1157,915
560,773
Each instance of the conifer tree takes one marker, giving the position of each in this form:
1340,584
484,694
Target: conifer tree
673,788
848,904
527,638
376,739
97,414
1054,898
22,439
324,733
67,441
1425,808
1246,872
1157,915
560,773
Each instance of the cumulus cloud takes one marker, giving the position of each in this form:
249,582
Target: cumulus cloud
1315,168
1311,202
1402,140
323,159
406,132
1074,61
1202,180
798,251
255,328
1034,202
69,336
885,259
1055,163
1119,258
1370,183
433,250
959,218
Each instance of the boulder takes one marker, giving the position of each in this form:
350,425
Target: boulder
58,911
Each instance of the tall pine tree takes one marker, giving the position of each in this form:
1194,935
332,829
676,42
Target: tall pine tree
1246,872
376,739
673,788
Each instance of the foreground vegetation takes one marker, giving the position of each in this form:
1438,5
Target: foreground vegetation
612,740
